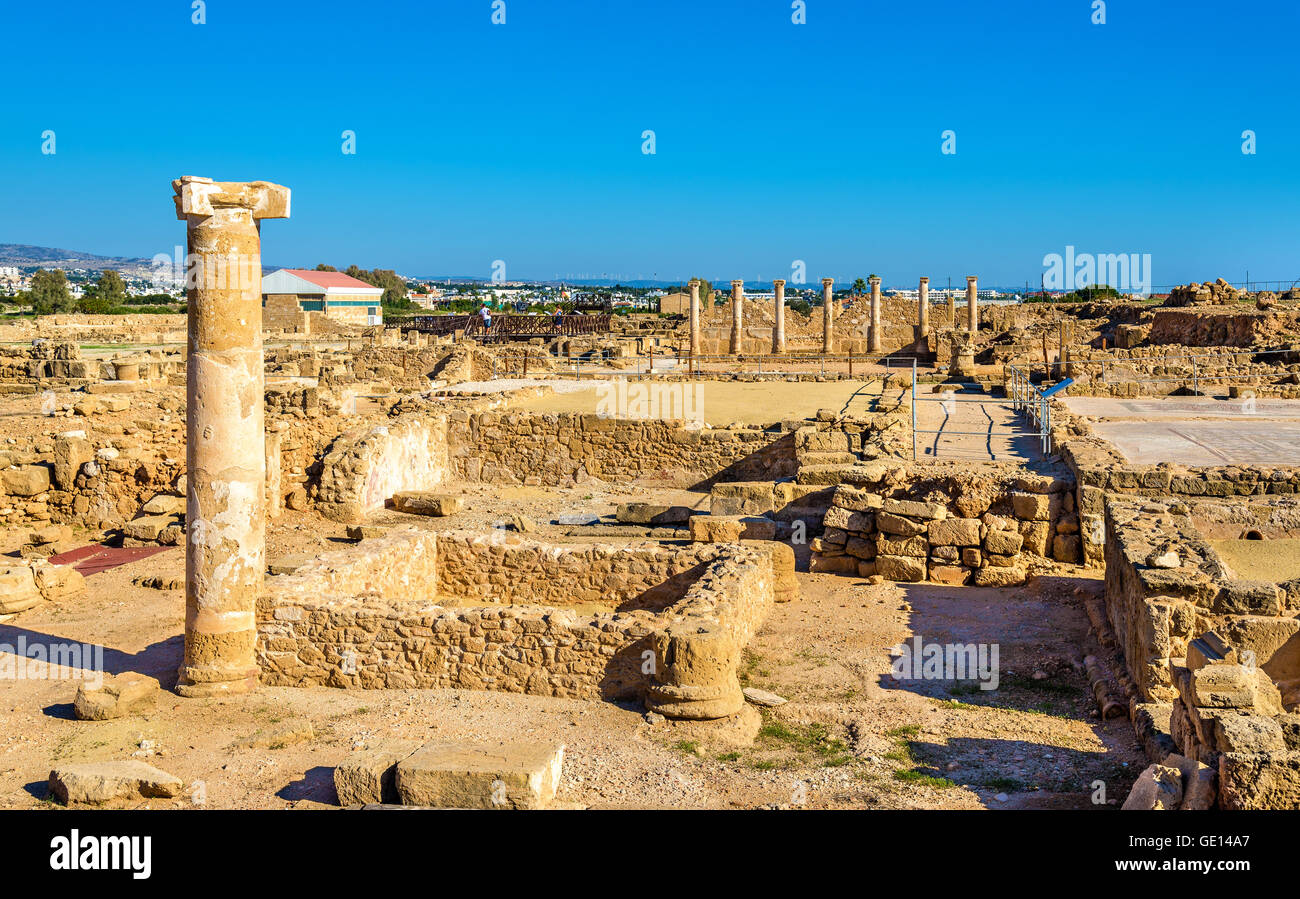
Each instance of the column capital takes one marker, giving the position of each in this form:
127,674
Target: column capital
827,282
738,283
925,279
971,279
198,196
779,282
874,279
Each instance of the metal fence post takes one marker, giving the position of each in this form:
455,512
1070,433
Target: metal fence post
913,409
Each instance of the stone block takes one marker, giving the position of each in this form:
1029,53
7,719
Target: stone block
955,575
370,774
914,509
901,568
1158,788
992,576
508,776
1066,548
889,523
97,782
418,502
18,590
742,498
1247,733
115,696
652,514
955,532
1031,506
1004,542
26,480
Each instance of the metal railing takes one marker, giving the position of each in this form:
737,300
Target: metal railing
1024,396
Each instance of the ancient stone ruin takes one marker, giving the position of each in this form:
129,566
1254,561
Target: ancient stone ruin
741,542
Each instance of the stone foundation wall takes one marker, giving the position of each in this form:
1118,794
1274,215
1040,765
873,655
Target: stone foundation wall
513,448
926,522
361,471
369,618
1165,584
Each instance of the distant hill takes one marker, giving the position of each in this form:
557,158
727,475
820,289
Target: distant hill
24,255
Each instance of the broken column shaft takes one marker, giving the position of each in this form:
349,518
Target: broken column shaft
695,317
225,452
875,341
972,305
778,329
923,308
737,315
828,316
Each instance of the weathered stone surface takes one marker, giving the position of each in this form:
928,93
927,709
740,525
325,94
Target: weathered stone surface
96,782
955,532
999,577
742,498
954,575
370,774
890,523
18,589
901,568
116,696
652,513
148,527
1158,788
1031,506
418,502
913,509
763,697
27,480
1269,780
507,776
1003,542
57,582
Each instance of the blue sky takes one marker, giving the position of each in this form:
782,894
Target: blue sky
774,141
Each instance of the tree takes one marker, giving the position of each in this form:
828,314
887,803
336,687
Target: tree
49,292
104,294
325,268
706,292
859,286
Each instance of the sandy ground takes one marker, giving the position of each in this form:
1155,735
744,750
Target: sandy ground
850,736
721,402
1275,559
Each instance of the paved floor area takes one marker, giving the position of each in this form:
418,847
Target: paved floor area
973,427
1197,430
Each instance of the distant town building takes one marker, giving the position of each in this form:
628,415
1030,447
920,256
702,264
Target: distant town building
291,292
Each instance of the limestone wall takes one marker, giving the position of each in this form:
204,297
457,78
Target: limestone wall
370,617
512,448
362,470
1165,584
911,522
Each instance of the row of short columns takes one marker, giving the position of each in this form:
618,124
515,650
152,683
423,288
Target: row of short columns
875,333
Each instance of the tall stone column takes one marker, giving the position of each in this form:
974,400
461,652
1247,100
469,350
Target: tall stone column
695,317
972,305
225,451
923,308
828,316
737,315
875,342
778,330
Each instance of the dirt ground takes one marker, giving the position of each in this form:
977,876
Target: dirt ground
850,735
1275,559
728,402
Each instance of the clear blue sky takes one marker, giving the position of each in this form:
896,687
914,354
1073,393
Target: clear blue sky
775,141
